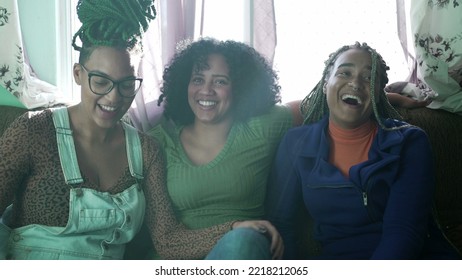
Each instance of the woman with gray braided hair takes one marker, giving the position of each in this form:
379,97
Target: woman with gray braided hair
364,176
77,182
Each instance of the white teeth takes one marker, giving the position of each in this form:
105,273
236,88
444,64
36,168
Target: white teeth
207,103
350,96
108,108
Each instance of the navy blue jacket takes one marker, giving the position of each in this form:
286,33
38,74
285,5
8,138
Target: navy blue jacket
382,211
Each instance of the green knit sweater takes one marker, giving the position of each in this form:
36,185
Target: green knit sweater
233,185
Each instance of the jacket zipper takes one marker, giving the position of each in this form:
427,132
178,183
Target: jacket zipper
369,183
365,198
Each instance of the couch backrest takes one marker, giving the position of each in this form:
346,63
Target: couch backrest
7,116
444,130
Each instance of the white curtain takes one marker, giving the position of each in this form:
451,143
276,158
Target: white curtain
182,19
16,75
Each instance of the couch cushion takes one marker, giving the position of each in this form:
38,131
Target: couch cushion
7,115
444,130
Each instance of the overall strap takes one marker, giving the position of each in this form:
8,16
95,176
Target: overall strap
66,148
134,153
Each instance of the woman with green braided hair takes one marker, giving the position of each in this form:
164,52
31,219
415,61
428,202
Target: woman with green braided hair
77,182
364,176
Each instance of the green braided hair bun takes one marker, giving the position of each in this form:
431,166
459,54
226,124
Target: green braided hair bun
113,22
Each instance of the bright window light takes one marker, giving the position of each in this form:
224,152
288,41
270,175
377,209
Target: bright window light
307,32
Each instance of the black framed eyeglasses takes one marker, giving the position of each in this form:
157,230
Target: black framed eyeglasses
102,85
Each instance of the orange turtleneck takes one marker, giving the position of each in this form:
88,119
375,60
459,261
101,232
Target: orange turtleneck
350,146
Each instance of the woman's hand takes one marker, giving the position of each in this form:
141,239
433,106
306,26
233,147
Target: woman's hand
265,228
398,100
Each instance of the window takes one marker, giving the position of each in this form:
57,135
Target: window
307,32
226,20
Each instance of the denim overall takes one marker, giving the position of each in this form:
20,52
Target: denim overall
99,224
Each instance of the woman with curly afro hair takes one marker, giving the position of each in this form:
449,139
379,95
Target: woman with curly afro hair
220,130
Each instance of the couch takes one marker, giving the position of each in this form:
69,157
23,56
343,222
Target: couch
445,132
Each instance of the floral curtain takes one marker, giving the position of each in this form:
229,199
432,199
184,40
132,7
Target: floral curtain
16,75
437,29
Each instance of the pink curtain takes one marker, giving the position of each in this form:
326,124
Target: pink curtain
174,22
264,28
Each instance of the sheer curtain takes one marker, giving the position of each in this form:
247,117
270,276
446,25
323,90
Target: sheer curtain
264,28
16,75
184,19
174,22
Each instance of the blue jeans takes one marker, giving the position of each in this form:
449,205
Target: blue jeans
241,244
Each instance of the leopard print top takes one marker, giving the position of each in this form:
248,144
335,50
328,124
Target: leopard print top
31,178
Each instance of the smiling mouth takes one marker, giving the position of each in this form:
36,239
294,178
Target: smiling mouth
352,99
207,103
107,108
